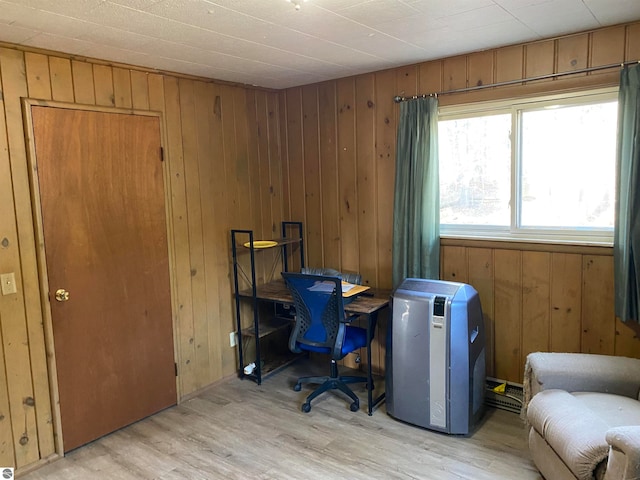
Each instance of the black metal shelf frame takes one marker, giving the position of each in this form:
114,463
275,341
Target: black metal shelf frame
284,244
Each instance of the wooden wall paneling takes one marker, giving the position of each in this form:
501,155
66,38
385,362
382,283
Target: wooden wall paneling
366,178
122,88
572,53
217,251
329,174
406,81
253,171
258,185
207,328
155,83
481,277
61,79
481,68
238,182
37,70
607,46
632,46
275,163
454,72
627,340
598,311
10,308
430,77
215,229
539,59
311,177
190,153
284,153
241,157
103,85
566,302
184,327
295,155
536,296
261,132
509,63
23,338
455,266
83,90
386,84
347,168
7,457
224,122
508,315
230,162
385,151
139,90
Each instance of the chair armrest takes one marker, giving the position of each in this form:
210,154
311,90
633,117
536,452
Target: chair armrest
580,372
624,455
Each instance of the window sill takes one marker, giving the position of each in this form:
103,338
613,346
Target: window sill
527,244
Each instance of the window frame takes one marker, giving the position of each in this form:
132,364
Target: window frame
516,232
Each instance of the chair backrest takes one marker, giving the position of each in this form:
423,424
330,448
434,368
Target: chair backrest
320,317
354,278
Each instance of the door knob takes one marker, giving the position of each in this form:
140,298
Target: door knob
62,295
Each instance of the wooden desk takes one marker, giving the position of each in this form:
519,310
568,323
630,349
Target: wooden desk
365,305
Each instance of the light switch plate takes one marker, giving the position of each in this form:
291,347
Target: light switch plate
8,281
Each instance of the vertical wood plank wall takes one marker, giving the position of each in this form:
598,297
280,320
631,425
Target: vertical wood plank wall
533,298
222,171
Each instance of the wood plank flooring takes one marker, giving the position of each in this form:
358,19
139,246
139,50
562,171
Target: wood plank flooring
239,430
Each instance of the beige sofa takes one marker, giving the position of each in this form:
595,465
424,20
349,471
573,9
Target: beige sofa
583,414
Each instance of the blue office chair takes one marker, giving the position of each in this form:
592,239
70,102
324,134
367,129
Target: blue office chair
321,326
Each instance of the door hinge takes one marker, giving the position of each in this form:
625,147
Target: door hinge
161,154
176,367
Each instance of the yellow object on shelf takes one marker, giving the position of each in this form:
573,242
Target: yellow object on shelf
261,244
500,388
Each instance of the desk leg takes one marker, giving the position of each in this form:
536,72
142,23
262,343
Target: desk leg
372,320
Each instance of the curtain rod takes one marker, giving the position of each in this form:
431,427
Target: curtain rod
399,98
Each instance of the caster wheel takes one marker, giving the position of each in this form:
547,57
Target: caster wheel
297,387
355,406
306,407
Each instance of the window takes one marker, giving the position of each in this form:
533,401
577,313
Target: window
541,170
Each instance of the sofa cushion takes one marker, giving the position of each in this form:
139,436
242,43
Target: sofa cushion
574,425
615,410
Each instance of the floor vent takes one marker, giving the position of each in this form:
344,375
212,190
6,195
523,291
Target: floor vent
510,400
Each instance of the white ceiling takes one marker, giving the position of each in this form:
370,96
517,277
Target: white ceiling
271,44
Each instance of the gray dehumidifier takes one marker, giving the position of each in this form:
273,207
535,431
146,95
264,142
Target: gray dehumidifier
435,357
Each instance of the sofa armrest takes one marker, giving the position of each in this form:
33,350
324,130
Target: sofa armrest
624,455
581,372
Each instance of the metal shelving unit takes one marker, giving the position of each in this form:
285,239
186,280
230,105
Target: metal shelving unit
243,242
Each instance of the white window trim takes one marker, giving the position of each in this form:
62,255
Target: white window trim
592,236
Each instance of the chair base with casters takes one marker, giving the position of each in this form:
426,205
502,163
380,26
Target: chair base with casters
331,382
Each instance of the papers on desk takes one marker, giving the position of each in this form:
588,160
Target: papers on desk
348,289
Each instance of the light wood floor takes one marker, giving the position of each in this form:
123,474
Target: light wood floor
239,430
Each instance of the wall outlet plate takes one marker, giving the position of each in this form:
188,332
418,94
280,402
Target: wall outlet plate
232,339
8,281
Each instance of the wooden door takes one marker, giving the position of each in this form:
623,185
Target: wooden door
105,240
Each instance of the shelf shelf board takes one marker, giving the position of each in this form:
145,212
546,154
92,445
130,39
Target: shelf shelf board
240,248
267,327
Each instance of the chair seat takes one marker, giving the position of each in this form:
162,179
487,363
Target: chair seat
354,338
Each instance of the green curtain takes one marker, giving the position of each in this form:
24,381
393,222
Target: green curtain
626,245
416,209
